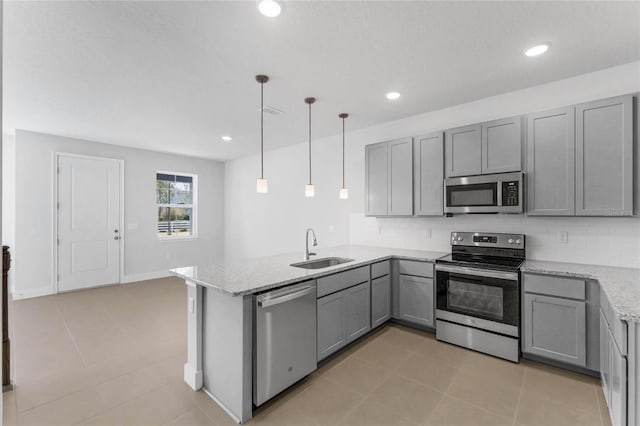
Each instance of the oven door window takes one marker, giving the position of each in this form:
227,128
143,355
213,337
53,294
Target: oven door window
480,194
488,298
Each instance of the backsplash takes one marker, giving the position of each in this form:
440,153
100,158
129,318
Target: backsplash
600,241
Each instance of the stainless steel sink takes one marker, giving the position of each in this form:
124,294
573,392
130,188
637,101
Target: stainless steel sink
323,262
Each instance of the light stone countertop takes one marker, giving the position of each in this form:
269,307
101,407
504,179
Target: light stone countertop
621,285
263,273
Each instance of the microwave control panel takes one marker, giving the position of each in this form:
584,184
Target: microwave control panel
510,193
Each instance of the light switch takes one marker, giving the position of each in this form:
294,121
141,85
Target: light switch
191,305
132,226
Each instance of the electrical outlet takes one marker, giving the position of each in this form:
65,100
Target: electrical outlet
379,229
428,234
331,228
563,237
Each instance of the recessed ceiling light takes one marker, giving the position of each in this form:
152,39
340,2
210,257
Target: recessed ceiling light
226,138
392,96
270,8
538,49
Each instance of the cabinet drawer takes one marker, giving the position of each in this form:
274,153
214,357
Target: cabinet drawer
380,269
618,328
420,269
342,280
555,286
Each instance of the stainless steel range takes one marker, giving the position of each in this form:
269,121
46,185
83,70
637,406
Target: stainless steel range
478,293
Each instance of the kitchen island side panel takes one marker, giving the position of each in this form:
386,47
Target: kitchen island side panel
227,351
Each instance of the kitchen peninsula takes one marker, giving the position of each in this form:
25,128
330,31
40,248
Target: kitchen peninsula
220,314
222,309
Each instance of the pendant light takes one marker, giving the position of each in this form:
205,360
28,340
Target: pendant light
261,183
309,190
344,192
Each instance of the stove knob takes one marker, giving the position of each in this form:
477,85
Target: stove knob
460,238
511,241
518,241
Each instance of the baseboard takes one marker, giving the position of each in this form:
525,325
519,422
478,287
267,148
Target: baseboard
32,292
145,276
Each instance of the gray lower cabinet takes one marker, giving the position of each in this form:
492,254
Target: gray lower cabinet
551,163
342,318
604,157
332,323
389,178
463,151
502,145
555,328
416,300
380,300
428,174
614,371
358,310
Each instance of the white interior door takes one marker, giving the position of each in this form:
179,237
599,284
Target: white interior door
88,222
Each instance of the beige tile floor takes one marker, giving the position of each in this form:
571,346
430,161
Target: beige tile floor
114,356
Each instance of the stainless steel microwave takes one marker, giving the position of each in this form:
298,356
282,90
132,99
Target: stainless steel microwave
499,193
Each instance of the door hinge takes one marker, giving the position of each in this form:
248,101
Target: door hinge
58,205
58,241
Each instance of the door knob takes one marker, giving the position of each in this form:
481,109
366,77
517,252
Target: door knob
115,230
116,238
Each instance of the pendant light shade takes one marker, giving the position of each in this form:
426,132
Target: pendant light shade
344,192
309,190
261,183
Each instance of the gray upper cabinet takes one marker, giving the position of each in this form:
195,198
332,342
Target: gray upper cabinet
463,151
380,300
389,178
604,157
428,174
555,328
502,145
551,163
416,300
358,311
401,177
376,179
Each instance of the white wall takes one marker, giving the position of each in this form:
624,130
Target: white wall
8,196
145,256
259,224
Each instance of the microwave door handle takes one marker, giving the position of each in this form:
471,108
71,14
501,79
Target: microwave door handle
499,191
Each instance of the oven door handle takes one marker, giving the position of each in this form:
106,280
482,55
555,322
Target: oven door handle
464,270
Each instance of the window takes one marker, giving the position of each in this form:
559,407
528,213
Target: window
176,200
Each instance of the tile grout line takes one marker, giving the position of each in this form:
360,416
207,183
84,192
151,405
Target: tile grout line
446,393
90,385
73,340
595,390
524,378
123,403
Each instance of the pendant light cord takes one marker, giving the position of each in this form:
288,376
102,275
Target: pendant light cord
343,152
261,130
309,143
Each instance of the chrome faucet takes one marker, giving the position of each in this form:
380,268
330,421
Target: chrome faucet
306,244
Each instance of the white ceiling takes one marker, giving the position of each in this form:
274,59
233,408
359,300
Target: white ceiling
175,76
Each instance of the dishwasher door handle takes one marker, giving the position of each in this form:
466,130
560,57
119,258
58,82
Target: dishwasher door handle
266,302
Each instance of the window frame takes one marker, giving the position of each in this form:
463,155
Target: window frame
193,206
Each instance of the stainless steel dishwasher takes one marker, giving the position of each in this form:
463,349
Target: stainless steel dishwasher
284,339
